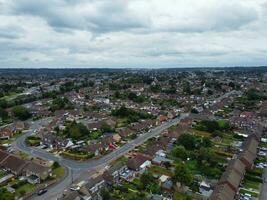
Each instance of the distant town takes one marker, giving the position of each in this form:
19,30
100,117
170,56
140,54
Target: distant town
128,134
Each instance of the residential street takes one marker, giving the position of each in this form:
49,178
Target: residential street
76,169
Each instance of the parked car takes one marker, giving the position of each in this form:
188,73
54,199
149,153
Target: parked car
41,192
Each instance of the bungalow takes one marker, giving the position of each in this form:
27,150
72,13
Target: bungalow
20,126
162,118
139,162
55,142
6,133
95,148
138,127
13,164
159,160
94,125
107,141
125,132
113,174
116,137
111,121
94,186
152,149
40,172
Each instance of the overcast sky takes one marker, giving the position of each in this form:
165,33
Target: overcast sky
133,33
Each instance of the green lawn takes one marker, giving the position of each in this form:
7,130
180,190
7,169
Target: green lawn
59,172
160,170
252,184
11,96
263,144
242,191
2,174
22,154
24,189
122,159
179,196
200,133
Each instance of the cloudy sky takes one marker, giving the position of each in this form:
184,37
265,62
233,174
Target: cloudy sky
133,33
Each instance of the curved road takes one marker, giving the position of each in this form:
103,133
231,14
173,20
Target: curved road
77,169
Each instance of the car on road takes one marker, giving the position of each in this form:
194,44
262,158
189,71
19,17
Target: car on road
41,192
75,188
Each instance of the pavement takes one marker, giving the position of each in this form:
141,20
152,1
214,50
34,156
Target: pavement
77,170
84,170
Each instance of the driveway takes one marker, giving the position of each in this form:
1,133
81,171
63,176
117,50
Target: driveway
76,169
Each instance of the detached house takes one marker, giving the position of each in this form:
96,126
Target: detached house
36,173
139,163
112,175
94,186
6,134
13,164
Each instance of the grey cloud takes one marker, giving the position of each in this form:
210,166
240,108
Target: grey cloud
116,32
108,15
56,13
233,17
11,32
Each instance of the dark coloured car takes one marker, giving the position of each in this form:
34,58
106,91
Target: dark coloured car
41,192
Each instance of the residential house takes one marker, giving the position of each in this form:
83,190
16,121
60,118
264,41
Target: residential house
160,161
6,133
223,192
35,170
116,137
3,156
94,186
20,126
232,178
251,145
95,148
247,158
13,164
205,189
263,110
139,163
249,153
112,175
73,195
237,165
125,132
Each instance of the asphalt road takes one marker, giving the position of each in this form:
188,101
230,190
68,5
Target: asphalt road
83,170
77,169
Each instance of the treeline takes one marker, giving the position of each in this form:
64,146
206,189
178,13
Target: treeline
23,99
130,114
